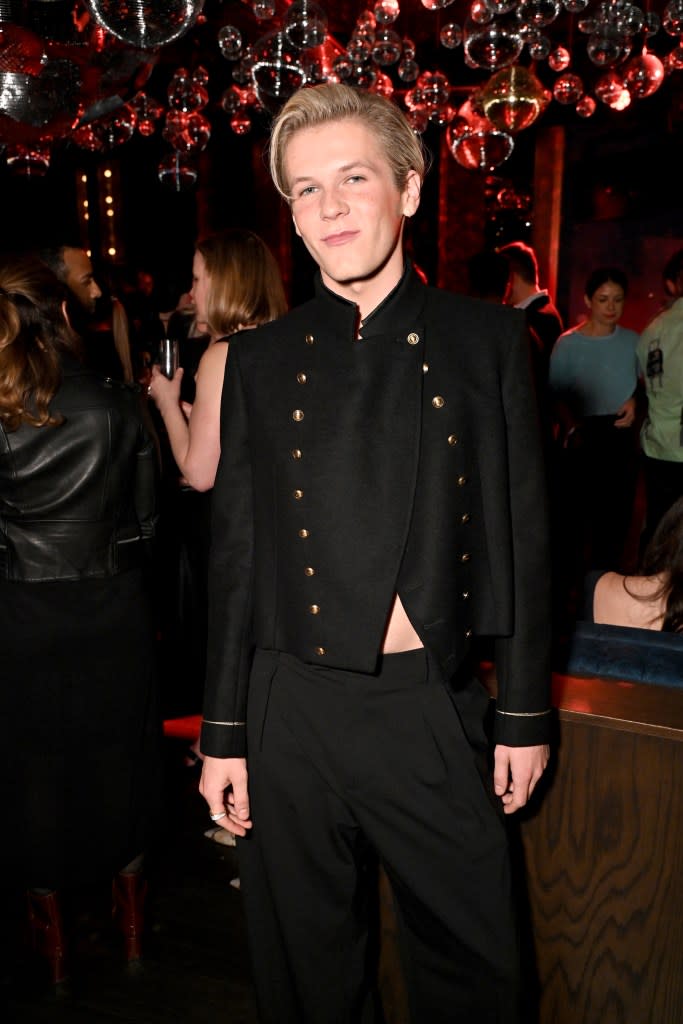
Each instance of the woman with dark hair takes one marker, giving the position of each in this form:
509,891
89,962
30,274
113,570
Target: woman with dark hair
593,380
78,734
654,598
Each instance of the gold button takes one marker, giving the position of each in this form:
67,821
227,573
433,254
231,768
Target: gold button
465,595
298,495
309,571
320,651
304,534
301,377
413,338
465,517
465,557
462,480
468,634
425,367
452,440
314,609
298,415
296,453
438,402
310,340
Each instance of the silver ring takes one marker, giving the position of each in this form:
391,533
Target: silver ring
217,817
149,389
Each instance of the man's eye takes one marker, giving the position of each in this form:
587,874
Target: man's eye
308,191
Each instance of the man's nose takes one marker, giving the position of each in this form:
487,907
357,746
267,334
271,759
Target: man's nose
95,290
333,204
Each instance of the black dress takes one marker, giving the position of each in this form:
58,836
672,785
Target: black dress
79,729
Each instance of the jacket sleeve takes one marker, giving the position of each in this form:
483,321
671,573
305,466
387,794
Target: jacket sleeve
230,648
523,659
146,485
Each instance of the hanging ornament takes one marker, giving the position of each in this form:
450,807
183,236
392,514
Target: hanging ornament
643,75
482,151
559,59
145,24
147,111
450,36
672,18
276,72
607,46
482,12
86,138
611,90
492,46
387,47
674,60
575,6
177,172
241,123
568,89
117,128
230,42
586,106
538,45
32,161
383,85
512,99
305,24
188,92
538,13
436,5
477,144
386,11
263,9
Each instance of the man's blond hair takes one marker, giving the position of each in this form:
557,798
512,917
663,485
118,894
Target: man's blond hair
325,104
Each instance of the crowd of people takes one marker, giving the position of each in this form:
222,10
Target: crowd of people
355,458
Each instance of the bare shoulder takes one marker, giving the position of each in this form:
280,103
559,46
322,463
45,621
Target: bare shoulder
629,601
214,358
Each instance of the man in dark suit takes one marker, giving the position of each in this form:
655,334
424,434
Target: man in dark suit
525,293
379,504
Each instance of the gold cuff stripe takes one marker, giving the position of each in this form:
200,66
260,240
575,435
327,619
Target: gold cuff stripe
207,721
524,714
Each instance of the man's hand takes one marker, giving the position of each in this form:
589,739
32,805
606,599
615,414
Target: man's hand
218,775
516,772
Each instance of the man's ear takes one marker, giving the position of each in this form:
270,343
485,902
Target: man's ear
65,311
586,302
411,193
296,226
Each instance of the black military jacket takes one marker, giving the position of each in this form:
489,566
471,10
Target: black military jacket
404,458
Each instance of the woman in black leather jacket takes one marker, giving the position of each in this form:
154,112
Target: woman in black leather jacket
78,727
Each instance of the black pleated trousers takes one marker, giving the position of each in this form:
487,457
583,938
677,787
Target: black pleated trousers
343,765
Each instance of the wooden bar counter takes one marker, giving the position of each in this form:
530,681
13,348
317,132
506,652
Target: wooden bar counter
603,853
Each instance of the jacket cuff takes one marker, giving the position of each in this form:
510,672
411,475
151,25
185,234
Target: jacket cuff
523,729
223,739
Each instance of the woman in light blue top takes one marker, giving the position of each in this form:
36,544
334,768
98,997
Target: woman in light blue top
593,380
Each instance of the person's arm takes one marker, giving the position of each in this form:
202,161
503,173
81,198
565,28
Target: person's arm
195,442
522,720
229,648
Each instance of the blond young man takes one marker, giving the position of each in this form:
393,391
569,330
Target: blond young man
379,503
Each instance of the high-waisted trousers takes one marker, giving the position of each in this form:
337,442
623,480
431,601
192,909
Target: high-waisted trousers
345,767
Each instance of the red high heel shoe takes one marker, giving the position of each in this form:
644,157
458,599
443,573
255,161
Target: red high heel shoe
47,932
128,904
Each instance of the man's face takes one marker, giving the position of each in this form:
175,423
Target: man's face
347,208
79,278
